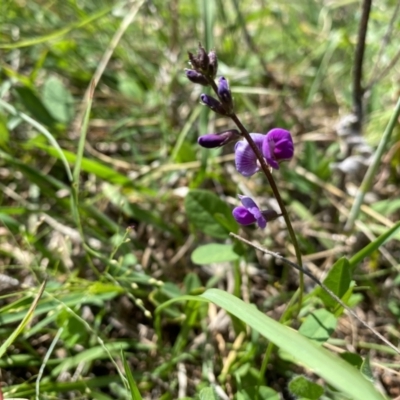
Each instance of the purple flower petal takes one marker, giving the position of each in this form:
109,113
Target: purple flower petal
277,146
245,159
243,216
249,213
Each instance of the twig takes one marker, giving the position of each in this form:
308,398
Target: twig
322,285
358,91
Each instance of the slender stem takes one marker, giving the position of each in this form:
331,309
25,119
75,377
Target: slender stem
371,172
358,90
266,169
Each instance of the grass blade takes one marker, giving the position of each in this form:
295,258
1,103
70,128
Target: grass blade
24,321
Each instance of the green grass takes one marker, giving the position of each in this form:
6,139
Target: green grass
93,201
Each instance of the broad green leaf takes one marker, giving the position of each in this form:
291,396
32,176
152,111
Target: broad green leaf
302,387
202,207
328,366
318,326
371,247
208,394
338,281
58,100
214,253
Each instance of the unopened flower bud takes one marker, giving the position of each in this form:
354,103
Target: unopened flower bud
224,93
219,139
214,104
200,62
213,66
196,77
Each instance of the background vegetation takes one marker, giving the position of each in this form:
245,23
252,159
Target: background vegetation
94,179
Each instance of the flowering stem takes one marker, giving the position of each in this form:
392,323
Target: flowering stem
265,168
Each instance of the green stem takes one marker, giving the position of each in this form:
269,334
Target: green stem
371,172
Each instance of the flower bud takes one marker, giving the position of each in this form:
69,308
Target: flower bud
219,139
199,62
212,103
224,93
196,77
213,66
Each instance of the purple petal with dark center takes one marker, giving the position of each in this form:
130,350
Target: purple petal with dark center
245,159
277,146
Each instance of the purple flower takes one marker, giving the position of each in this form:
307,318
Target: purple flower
213,140
275,146
250,213
245,159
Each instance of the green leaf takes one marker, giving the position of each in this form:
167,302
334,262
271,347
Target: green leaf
319,326
132,384
338,281
352,358
371,247
366,369
208,394
302,387
202,208
214,253
328,366
58,100
263,392
35,106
